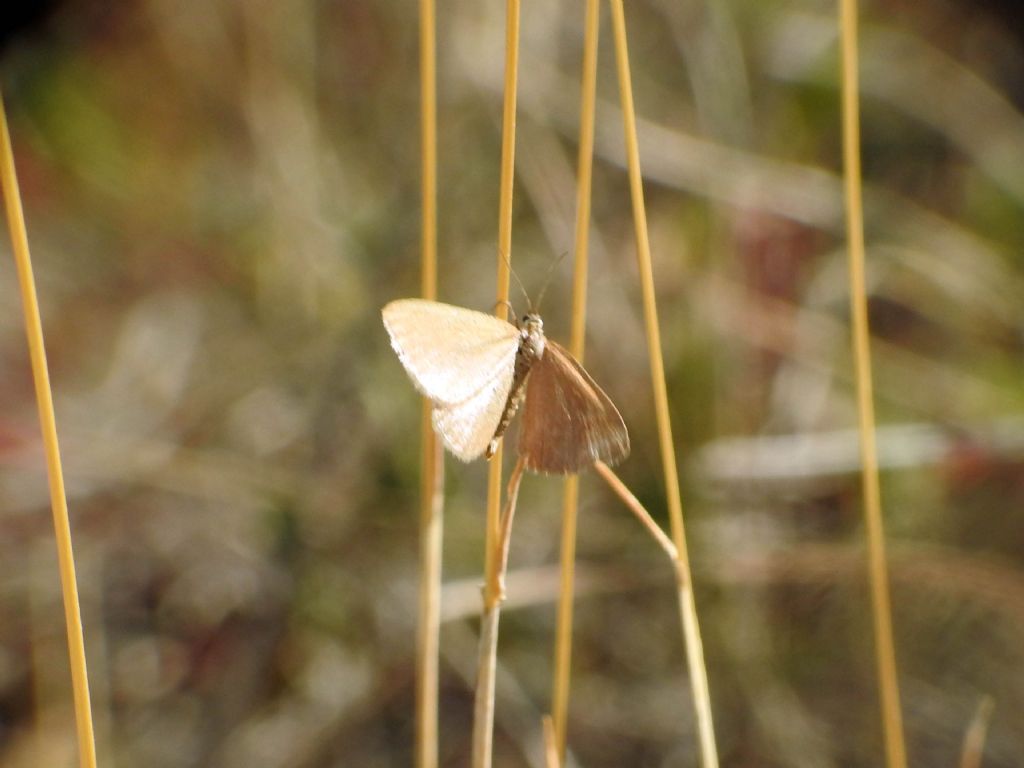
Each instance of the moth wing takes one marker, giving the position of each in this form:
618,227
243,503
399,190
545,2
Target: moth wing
450,353
466,428
568,421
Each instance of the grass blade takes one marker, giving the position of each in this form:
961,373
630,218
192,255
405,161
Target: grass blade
432,460
881,611
483,715
48,423
691,630
570,497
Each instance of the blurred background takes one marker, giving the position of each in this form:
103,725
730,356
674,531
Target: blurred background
220,197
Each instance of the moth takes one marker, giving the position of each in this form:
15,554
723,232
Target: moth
478,369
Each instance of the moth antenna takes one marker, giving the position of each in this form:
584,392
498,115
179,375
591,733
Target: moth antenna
518,282
547,279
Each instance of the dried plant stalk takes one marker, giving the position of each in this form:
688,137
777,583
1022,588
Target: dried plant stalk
881,611
551,759
483,703
48,423
691,631
634,505
483,714
977,731
584,173
494,595
432,459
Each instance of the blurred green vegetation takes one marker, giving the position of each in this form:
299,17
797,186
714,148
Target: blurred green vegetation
221,196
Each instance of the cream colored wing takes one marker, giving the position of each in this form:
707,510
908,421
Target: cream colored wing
466,428
452,354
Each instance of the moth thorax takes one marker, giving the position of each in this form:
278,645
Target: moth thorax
532,331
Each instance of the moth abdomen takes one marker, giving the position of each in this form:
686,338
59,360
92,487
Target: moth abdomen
531,349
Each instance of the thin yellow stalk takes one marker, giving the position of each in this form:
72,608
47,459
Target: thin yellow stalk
974,739
432,460
505,531
551,759
585,164
683,592
892,719
428,147
508,159
563,627
486,672
487,659
688,611
483,711
431,536
492,522
634,505
48,423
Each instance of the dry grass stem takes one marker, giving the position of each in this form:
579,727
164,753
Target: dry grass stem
483,704
684,591
483,715
428,148
563,626
977,731
634,505
570,497
691,630
494,591
551,759
487,659
432,460
508,157
892,718
48,424
431,538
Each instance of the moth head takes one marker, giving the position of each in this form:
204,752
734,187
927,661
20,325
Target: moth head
532,329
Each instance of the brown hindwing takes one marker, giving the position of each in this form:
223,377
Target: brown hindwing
568,421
